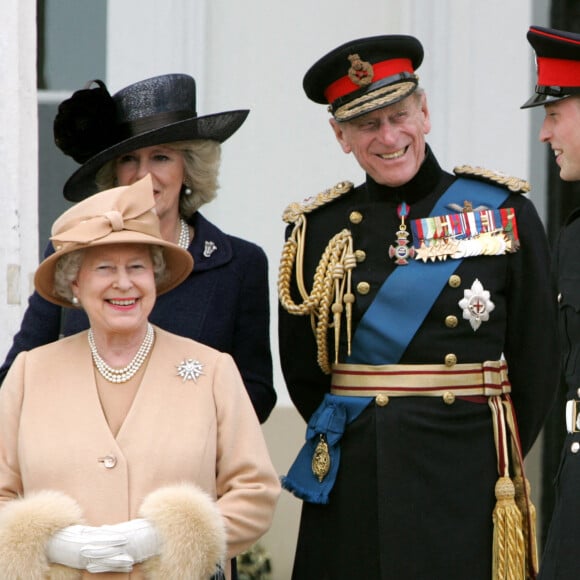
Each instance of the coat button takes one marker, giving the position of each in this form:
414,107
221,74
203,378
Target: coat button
450,360
355,217
109,461
454,281
448,398
382,400
360,255
363,287
575,447
451,321
559,297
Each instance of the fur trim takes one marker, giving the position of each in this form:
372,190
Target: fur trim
26,525
192,532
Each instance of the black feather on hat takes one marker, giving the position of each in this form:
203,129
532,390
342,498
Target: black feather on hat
85,123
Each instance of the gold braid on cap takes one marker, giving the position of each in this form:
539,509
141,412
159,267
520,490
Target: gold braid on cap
331,288
514,184
374,99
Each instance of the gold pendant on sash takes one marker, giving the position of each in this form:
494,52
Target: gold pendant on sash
321,459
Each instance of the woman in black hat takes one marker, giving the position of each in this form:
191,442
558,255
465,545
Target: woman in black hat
152,127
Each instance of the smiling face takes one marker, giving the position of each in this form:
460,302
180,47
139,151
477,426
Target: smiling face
561,129
116,287
166,167
389,143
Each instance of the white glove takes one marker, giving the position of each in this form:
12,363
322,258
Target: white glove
143,541
89,548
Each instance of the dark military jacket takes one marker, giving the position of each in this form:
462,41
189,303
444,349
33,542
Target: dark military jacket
560,558
414,493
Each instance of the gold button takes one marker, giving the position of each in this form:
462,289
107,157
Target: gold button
448,398
382,400
575,447
454,281
450,360
363,287
355,217
360,255
451,321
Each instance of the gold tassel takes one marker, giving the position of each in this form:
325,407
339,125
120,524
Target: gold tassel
508,561
528,511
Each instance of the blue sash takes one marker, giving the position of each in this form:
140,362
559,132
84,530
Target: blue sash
381,337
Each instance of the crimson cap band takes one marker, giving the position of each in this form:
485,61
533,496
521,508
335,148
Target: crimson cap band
365,74
557,64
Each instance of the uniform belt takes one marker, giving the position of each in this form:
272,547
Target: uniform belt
489,379
573,416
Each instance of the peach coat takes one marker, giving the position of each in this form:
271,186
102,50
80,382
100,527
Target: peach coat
199,429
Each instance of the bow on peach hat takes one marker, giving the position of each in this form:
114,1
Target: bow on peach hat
122,215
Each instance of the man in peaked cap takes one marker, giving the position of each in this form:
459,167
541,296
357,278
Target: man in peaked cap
410,305
558,90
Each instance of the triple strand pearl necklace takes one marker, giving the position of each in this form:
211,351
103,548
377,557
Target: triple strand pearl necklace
183,241
122,375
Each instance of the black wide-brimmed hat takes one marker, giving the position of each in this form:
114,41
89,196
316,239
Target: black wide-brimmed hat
557,63
94,127
365,74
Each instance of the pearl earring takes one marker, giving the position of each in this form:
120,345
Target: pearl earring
187,190
75,301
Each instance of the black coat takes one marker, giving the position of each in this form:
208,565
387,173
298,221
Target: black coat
224,303
560,558
415,489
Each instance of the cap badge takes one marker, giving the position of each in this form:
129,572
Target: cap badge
360,72
190,370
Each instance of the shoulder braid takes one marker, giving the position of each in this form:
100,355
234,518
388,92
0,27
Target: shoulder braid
331,288
514,184
294,210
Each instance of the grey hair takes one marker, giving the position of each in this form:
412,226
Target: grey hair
67,268
201,167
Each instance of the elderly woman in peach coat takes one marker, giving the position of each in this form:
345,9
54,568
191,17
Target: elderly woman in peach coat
125,450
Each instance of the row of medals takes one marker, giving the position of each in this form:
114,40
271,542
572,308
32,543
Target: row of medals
492,243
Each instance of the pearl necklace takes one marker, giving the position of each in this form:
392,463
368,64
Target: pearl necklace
183,241
122,375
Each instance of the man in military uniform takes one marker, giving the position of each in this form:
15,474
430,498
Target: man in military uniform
558,91
416,316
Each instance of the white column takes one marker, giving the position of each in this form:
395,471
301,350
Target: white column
18,168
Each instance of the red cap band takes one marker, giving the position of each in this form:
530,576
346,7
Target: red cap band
558,72
381,70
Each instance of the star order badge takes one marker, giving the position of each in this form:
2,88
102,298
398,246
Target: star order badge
190,370
476,304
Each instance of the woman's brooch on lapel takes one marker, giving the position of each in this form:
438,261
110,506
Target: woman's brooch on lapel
190,370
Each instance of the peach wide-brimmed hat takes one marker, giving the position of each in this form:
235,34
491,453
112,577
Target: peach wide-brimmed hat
122,215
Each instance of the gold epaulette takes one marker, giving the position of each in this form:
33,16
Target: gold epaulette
295,210
514,184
